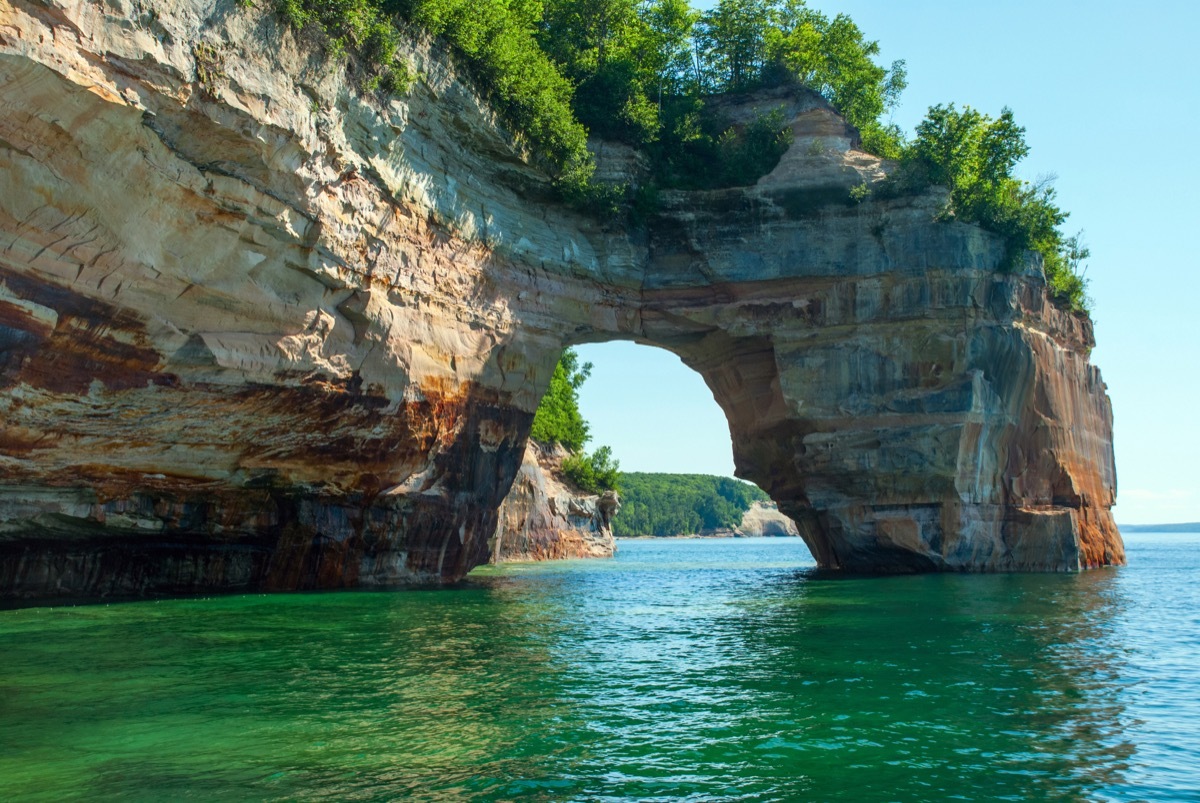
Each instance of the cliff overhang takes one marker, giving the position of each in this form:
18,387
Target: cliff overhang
261,331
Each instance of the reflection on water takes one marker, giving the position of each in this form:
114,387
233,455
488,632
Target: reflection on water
682,670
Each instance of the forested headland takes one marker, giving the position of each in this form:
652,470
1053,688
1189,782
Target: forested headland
640,71
681,504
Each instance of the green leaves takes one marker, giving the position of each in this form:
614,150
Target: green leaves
636,70
974,156
558,419
680,504
743,44
494,40
595,473
361,25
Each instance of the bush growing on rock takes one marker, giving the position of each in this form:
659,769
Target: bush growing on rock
640,70
974,155
559,421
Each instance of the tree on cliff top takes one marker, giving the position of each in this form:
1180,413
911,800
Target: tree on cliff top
974,155
558,420
638,70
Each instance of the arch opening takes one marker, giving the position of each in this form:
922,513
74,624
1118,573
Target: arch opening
663,420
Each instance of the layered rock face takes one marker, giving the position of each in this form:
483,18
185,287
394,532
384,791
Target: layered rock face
260,330
763,519
544,517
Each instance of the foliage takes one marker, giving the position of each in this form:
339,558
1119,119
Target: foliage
362,25
974,156
596,472
558,419
620,54
639,71
496,43
681,504
633,70
699,155
748,43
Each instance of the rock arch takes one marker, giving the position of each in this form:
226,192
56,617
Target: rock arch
258,331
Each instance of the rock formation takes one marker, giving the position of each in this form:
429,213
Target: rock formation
544,517
764,519
261,330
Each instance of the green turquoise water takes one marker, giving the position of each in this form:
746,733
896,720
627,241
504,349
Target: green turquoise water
682,670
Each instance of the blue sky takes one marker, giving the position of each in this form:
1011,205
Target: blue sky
1108,96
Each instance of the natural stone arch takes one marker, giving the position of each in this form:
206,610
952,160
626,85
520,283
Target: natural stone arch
299,344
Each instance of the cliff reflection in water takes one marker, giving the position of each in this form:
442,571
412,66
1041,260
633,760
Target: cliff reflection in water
716,670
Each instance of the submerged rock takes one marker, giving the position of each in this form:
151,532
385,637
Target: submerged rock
259,330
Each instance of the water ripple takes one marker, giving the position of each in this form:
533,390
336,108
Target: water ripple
714,671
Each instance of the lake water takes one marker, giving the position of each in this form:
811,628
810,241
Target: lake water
681,670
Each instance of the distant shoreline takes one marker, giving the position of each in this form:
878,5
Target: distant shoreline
696,537
1186,527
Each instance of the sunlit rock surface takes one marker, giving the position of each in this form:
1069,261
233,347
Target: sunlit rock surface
764,519
545,517
261,331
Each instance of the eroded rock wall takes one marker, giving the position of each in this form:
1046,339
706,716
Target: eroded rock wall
764,519
545,517
261,329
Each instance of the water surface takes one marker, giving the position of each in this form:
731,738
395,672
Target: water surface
681,670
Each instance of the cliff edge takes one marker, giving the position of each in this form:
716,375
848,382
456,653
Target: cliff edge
259,330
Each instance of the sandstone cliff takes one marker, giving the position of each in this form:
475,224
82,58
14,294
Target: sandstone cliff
545,517
764,519
258,330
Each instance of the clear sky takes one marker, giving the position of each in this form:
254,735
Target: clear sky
1108,94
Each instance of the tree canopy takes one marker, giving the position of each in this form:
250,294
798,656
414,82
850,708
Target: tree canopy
640,71
681,504
974,155
558,419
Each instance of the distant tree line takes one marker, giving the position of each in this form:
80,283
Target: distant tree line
640,71
681,504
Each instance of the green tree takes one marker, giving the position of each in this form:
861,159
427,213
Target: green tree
833,57
974,155
731,40
596,472
666,47
558,419
679,504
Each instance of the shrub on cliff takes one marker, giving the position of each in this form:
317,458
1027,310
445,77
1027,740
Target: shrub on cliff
596,472
638,70
496,44
361,25
974,156
625,69
743,44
